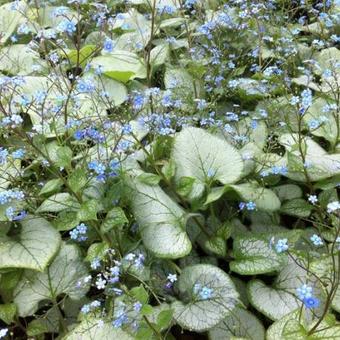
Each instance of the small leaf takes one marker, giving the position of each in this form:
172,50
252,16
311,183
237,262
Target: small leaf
185,185
164,318
51,186
58,202
115,218
7,312
88,211
78,179
297,207
148,178
96,251
140,294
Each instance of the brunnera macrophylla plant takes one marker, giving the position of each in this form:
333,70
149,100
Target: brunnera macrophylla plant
169,168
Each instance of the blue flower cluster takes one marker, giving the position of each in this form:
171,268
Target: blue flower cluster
79,233
8,196
305,293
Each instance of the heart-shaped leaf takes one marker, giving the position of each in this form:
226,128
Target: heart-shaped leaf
200,312
61,277
32,248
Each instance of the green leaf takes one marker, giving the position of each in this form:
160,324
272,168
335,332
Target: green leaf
60,277
90,329
265,199
33,247
297,207
161,221
115,218
255,255
37,327
273,303
169,170
84,53
7,312
51,186
88,211
288,192
58,202
148,178
199,315
140,294
164,318
215,194
184,186
96,251
64,154
239,323
78,179
215,245
121,65
194,157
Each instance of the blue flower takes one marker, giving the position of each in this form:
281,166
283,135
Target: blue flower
206,293
316,240
306,98
251,205
67,26
79,233
311,302
18,154
95,264
108,45
304,292
281,245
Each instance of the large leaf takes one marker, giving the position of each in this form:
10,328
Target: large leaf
320,164
328,129
18,59
120,65
61,277
161,221
203,156
33,247
297,324
265,199
239,323
90,329
197,314
58,202
255,255
279,299
179,79
10,18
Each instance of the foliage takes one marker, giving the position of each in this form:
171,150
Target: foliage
169,168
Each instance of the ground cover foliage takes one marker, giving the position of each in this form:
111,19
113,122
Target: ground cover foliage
169,169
